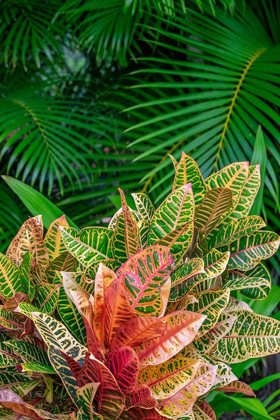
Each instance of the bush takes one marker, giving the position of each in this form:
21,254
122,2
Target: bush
141,319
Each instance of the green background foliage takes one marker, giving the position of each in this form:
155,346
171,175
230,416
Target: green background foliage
95,96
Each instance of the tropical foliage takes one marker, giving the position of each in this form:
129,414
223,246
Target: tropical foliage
140,319
192,76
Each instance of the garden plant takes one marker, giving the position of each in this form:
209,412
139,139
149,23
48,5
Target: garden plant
142,319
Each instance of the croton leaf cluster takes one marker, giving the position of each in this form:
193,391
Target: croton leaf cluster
140,320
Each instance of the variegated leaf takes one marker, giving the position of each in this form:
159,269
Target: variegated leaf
124,365
143,275
181,304
24,240
138,330
176,210
205,343
141,397
139,413
10,400
239,387
168,378
10,279
174,161
38,368
63,370
208,214
215,263
248,251
188,171
143,232
7,357
203,411
64,262
46,297
91,271
108,398
27,351
247,194
181,329
181,275
93,244
232,176
252,335
103,280
235,229
125,239
117,310
236,305
26,281
53,240
210,303
69,314
10,320
55,334
181,403
178,241
85,396
76,282
254,284
144,206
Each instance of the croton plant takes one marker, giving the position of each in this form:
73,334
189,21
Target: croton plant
140,320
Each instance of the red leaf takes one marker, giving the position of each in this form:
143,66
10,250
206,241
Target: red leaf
141,397
124,365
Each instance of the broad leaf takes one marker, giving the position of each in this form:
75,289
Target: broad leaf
205,343
181,329
46,297
232,176
238,386
10,320
182,402
248,251
143,275
26,281
28,352
203,411
141,397
144,206
235,229
138,330
64,262
208,214
251,336
181,275
93,244
85,396
187,171
211,303
176,210
108,397
254,284
10,278
53,240
168,378
124,365
38,368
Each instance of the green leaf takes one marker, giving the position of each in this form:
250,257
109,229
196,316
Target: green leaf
28,352
26,281
38,368
188,171
35,201
259,158
144,206
46,297
10,279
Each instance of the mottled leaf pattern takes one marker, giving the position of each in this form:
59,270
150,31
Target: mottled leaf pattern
96,245
238,386
254,284
180,278
210,303
208,214
232,176
235,229
144,206
26,281
10,279
168,378
53,240
181,329
143,275
46,297
124,365
176,210
248,251
138,330
64,262
187,171
251,336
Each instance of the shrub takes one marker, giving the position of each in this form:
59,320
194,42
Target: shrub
141,319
